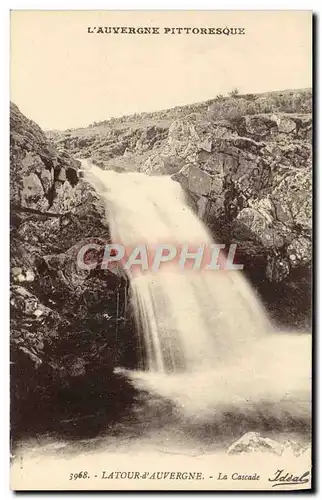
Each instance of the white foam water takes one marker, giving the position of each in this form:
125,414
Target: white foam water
189,319
208,344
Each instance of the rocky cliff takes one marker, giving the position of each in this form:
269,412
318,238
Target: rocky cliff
245,163
67,325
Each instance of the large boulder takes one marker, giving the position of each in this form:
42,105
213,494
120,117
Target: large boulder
254,442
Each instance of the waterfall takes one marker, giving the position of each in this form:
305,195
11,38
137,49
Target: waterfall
189,320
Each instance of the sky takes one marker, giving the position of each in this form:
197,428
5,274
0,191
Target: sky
64,77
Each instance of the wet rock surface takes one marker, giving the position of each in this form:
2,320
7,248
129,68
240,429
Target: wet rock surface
247,175
254,442
68,325
246,165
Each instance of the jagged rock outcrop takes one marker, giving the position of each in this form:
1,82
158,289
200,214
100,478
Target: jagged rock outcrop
252,180
246,163
258,191
253,442
66,323
38,171
246,167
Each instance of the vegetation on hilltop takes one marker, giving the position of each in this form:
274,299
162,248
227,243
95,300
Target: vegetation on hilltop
286,101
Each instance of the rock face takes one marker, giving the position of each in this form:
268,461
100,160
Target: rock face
252,178
246,163
67,325
38,171
254,190
253,442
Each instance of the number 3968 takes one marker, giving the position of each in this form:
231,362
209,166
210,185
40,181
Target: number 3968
78,475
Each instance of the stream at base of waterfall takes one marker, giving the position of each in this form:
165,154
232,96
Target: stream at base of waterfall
212,366
206,340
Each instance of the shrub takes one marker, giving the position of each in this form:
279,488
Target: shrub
234,92
233,108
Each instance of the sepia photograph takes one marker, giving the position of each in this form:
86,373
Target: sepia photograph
161,250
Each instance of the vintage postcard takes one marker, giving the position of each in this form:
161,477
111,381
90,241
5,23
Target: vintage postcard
161,220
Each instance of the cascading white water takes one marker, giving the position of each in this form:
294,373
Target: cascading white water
191,319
